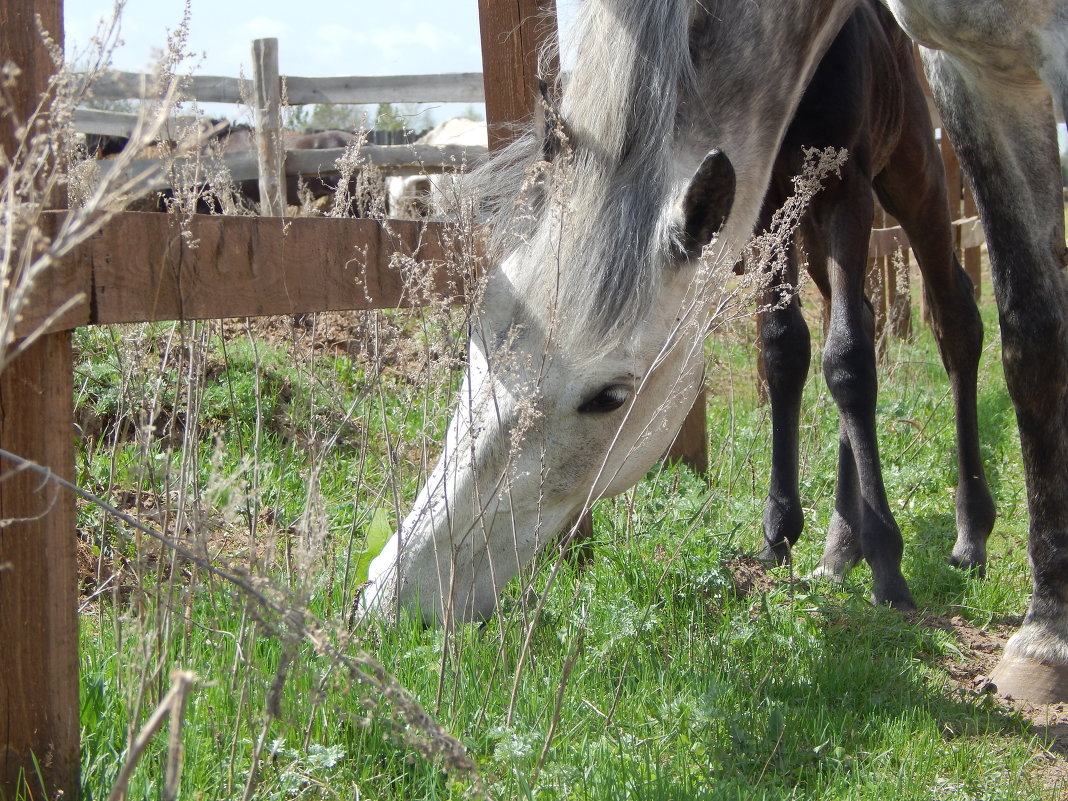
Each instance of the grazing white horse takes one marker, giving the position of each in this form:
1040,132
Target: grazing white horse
584,351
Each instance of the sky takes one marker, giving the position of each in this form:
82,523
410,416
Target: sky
328,37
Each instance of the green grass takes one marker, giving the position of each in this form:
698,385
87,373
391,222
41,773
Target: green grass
655,678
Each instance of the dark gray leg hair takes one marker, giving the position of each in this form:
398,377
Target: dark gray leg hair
1006,139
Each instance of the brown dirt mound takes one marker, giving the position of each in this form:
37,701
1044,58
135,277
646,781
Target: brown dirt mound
749,576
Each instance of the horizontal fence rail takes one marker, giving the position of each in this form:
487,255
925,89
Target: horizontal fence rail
121,123
143,267
887,241
459,87
157,174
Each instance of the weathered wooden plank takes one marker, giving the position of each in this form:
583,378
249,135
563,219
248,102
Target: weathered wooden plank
428,159
144,269
460,87
117,85
139,268
38,588
267,107
884,241
972,235
395,159
118,123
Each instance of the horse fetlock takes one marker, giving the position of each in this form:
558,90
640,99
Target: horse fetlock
775,552
976,511
891,589
783,521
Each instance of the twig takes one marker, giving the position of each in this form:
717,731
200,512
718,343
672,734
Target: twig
173,704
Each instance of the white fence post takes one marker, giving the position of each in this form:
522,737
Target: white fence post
269,150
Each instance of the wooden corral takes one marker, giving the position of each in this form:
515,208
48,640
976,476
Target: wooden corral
38,622
138,267
272,160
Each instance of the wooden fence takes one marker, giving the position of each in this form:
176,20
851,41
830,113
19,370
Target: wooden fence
140,268
267,92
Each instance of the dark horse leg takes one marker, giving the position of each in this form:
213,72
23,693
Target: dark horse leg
786,355
837,228
866,97
862,524
912,188
840,108
1005,136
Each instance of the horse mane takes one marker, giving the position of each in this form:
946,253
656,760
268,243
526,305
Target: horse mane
596,217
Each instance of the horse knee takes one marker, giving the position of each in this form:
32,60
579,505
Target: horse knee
849,370
787,348
1035,356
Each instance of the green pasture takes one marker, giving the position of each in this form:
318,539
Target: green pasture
649,673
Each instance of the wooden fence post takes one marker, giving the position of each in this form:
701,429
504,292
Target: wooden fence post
512,36
38,587
267,88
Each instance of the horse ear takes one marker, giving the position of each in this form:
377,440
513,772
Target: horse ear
707,202
549,124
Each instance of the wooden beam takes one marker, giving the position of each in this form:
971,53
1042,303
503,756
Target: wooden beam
513,32
117,85
968,231
38,588
140,267
119,123
459,87
244,166
270,153
246,266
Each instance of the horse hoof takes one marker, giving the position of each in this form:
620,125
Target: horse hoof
973,566
1029,680
901,603
775,555
969,556
824,573
893,591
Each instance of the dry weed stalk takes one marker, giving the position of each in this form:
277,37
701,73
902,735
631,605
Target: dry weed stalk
172,706
32,242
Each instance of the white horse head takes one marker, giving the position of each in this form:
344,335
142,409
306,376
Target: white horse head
551,416
585,350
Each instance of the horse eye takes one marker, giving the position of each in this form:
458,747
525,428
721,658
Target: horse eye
608,399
